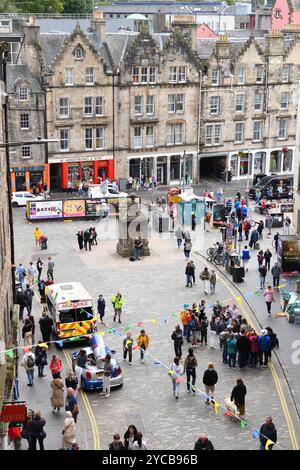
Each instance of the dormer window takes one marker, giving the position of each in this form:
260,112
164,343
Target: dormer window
23,94
79,53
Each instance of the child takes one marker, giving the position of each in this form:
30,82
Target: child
127,347
117,444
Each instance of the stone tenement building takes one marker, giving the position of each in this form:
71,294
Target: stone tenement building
124,104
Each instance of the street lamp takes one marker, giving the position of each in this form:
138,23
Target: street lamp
183,182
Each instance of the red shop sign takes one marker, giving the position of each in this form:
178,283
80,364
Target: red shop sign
15,411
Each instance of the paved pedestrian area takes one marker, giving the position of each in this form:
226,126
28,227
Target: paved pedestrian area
153,288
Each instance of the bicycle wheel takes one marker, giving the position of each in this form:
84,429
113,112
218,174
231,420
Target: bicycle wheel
210,252
210,259
218,260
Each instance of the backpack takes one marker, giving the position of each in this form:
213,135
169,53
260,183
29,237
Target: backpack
191,365
30,362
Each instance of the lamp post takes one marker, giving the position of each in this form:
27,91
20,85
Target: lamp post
249,169
183,182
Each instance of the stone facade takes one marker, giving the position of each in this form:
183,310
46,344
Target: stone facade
169,105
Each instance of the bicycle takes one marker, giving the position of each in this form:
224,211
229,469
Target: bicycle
214,257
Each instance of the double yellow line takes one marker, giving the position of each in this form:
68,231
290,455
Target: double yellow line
278,385
96,439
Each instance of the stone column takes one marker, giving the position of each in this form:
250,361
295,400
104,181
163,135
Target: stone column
195,168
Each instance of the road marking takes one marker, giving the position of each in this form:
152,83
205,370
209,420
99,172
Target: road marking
96,439
278,385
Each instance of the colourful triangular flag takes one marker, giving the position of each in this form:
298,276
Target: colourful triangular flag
239,300
153,321
268,443
9,353
43,345
255,434
243,424
174,315
216,406
171,372
257,293
139,323
135,347
101,333
110,330
128,328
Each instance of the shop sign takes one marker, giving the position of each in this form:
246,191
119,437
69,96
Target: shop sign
80,159
288,207
13,412
93,207
175,199
74,208
45,209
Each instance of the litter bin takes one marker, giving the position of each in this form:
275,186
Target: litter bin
233,260
238,274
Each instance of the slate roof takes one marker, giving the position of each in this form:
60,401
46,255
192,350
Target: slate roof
21,71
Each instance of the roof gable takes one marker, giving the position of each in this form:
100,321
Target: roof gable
203,31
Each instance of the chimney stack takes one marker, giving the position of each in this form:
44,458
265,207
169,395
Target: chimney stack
98,25
274,43
222,47
186,25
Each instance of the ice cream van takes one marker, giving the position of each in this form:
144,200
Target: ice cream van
71,308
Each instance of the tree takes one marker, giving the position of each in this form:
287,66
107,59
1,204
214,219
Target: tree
40,6
77,6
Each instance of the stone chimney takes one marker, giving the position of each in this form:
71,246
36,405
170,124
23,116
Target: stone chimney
98,25
274,43
186,25
222,47
30,51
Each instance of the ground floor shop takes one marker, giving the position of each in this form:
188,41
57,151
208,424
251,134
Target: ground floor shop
85,169
168,169
27,178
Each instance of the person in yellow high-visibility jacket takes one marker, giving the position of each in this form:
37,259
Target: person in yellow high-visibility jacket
143,342
117,301
37,235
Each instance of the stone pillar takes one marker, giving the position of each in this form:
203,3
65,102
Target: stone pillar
195,174
154,160
168,169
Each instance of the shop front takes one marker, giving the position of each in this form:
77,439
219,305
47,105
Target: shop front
251,162
27,178
87,170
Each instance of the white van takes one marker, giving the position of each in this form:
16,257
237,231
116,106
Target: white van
95,191
71,308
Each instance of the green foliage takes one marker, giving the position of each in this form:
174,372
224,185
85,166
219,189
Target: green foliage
77,6
32,6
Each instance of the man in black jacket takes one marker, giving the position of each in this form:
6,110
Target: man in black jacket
87,240
101,307
210,378
22,301
203,443
46,324
267,431
243,347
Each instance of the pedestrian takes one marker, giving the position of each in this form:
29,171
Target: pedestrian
179,236
130,437
253,342
273,339
94,235
57,398
87,240
193,221
203,329
176,371
264,347
29,296
193,272
42,291
71,403
260,258
204,276
245,257
286,225
269,298
22,302
46,326
177,337
32,273
21,273
190,364
40,359
108,371
231,350
194,329
187,247
210,378
253,239
240,231
71,380
269,223
243,347
247,227
138,245
101,307
212,281
79,235
267,433
185,317
117,444
50,268
39,267
203,443
68,431
27,332
28,362
139,444
213,332
37,431
189,272
143,343
238,396
260,229
276,271
117,301
69,186
276,241
15,434
267,257
127,347
37,235
262,275
80,365
55,366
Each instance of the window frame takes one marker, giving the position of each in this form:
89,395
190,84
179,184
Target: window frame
138,107
64,139
151,105
22,92
79,48
214,109
88,106
88,138
286,107
259,93
60,107
285,120
99,138
134,74
241,82
181,73
170,103
22,128
217,77
147,137
99,105
259,79
172,74
152,73
66,72
89,76
26,149
260,131
285,73
242,105
140,137
242,124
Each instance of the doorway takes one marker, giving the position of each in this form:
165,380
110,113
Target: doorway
20,181
55,177
212,167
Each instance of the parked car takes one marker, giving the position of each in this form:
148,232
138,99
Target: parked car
96,191
20,198
92,375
